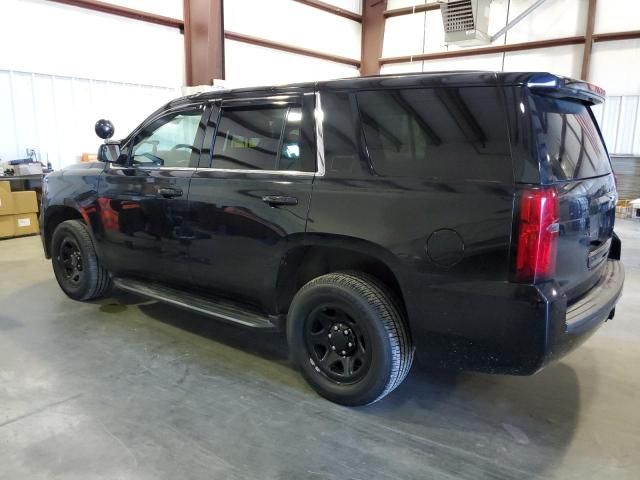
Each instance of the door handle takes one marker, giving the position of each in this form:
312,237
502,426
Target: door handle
276,200
170,192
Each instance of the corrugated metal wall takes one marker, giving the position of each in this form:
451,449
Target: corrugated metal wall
619,119
55,114
627,170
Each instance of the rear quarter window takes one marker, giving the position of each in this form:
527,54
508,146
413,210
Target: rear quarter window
437,133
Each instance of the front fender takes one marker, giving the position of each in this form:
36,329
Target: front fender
68,194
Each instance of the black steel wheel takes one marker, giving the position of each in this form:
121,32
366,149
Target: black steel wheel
75,264
70,257
337,345
347,334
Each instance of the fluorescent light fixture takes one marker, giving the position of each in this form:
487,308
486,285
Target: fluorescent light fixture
294,116
293,151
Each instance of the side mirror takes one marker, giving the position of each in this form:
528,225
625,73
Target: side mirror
109,152
104,129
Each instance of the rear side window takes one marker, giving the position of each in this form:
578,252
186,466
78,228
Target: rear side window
340,140
441,133
568,139
259,138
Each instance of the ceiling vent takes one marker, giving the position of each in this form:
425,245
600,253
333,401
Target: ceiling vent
466,22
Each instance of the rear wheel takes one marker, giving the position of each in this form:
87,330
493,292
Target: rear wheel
75,264
347,334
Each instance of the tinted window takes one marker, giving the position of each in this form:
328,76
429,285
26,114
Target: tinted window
570,139
340,143
259,138
449,133
169,141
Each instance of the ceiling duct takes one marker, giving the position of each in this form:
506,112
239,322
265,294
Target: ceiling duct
466,22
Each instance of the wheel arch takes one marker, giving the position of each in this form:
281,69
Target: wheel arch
325,254
53,216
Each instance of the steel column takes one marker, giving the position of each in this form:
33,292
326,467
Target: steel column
203,41
588,40
372,35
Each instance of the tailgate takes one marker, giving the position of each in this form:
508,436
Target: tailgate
587,215
576,162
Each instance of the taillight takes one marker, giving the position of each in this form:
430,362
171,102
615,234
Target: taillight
537,235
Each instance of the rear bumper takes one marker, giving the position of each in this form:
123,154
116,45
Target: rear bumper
570,326
507,328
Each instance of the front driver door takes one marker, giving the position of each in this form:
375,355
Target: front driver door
143,204
249,201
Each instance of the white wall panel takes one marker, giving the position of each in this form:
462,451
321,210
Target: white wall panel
9,137
498,18
24,111
293,23
565,60
480,62
627,120
166,8
247,65
404,35
55,115
619,120
393,4
617,16
609,125
597,112
636,130
398,68
55,39
476,62
434,32
48,133
615,66
553,19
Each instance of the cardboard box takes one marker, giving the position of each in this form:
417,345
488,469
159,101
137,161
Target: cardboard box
26,224
6,203
24,202
5,186
7,226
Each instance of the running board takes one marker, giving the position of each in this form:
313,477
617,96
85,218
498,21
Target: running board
220,309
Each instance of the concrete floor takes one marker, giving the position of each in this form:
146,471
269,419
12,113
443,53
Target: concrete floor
131,390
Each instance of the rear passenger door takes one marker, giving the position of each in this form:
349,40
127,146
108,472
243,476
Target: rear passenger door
250,195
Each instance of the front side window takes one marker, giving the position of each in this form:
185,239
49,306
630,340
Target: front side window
259,138
169,141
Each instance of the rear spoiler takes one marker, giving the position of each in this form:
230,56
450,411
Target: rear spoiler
562,87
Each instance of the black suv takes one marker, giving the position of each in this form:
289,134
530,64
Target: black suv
467,215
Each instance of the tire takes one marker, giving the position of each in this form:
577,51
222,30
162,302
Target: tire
75,264
374,353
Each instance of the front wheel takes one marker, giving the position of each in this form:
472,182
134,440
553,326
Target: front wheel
75,264
347,334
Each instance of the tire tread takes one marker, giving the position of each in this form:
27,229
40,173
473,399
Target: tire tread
100,282
390,313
